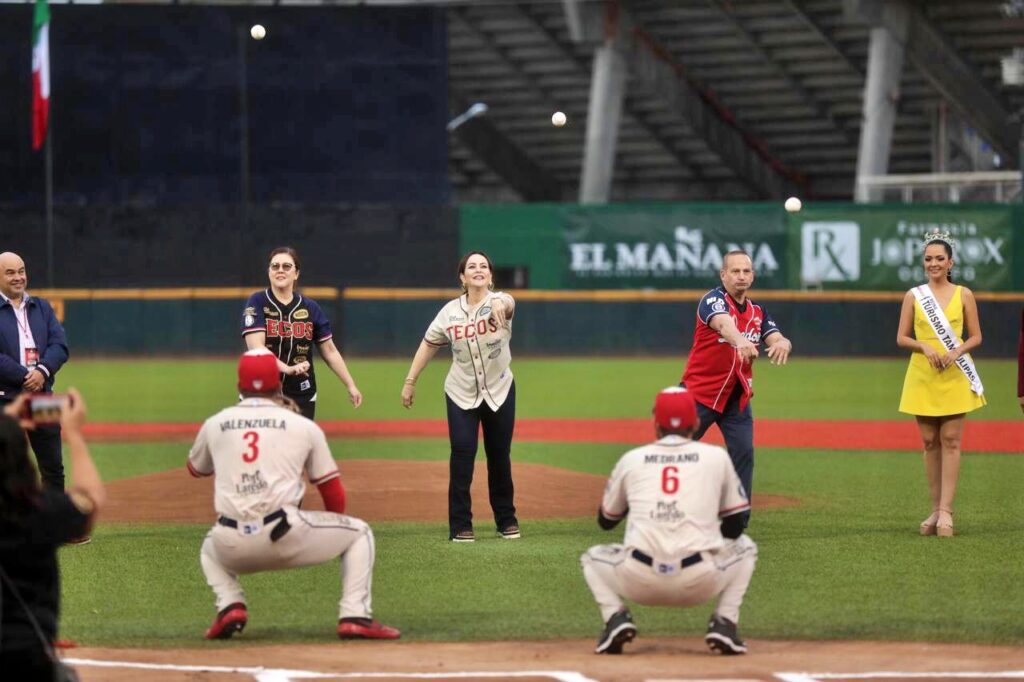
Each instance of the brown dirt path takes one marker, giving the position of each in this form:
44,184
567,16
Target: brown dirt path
378,490
979,436
645,659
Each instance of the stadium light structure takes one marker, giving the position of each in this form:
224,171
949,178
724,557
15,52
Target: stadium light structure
477,109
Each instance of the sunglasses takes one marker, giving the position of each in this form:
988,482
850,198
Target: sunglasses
287,267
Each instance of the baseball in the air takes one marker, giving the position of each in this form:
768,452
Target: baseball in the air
258,32
558,119
793,204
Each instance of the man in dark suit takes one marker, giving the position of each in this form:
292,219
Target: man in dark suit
32,349
1020,363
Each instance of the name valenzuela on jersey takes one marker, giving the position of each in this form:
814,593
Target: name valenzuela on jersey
238,424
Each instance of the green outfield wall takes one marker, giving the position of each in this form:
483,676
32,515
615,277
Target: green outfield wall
833,247
598,280
391,322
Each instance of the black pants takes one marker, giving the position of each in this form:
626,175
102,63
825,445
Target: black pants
45,442
463,432
307,406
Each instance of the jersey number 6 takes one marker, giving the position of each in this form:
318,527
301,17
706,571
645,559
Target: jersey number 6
670,480
253,452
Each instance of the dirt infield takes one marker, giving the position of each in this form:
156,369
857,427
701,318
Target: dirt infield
379,490
979,436
659,658
387,490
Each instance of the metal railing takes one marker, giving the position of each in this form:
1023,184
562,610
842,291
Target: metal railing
997,186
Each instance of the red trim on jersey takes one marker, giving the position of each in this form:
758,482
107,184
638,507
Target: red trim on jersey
326,477
608,515
435,345
732,510
713,368
250,330
326,338
196,473
333,494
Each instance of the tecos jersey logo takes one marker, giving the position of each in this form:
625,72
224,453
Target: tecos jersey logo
285,330
468,331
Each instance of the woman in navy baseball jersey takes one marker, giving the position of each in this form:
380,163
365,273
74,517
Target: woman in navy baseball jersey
719,371
479,391
289,324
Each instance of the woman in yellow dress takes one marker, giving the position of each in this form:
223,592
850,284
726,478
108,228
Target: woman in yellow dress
936,390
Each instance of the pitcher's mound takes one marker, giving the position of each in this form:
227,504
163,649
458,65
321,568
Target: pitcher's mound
379,490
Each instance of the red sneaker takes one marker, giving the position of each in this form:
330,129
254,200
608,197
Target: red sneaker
364,628
230,620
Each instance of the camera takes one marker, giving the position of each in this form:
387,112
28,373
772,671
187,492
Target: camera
44,408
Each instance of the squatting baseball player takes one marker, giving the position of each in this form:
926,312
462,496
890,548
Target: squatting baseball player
289,325
684,541
259,450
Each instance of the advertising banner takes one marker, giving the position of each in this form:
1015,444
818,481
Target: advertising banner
663,246
880,248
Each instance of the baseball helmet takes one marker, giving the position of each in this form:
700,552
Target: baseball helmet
675,409
257,372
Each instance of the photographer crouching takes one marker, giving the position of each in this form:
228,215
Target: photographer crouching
35,521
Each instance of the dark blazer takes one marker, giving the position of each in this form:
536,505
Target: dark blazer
49,338
1020,359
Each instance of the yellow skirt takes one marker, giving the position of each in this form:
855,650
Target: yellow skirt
930,392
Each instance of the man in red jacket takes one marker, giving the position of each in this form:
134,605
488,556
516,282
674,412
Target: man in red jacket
259,450
719,371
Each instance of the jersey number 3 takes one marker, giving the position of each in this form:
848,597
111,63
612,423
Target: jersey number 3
670,480
253,439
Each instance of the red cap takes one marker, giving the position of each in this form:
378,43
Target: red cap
257,372
675,409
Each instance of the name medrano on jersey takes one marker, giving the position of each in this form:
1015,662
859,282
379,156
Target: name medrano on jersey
686,458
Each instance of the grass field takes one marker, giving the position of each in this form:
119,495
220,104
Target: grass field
845,563
180,390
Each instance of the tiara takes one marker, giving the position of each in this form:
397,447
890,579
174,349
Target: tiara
936,236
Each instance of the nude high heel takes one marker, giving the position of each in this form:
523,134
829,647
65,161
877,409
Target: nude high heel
929,524
944,526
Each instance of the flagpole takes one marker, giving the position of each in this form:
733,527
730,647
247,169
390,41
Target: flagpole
49,205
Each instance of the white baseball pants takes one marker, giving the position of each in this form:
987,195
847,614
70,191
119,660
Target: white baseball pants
315,537
613,574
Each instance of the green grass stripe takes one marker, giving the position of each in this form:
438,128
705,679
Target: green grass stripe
833,388
846,563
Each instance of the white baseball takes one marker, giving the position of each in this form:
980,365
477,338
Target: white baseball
793,204
558,119
258,32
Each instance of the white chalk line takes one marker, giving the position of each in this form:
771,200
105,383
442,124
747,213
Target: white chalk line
709,679
284,675
815,677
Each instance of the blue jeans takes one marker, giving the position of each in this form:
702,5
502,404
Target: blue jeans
463,432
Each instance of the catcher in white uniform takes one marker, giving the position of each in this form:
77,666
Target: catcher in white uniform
684,541
258,451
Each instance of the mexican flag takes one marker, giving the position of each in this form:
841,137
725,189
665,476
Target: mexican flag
40,73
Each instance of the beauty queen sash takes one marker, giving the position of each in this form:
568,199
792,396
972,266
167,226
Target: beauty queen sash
947,337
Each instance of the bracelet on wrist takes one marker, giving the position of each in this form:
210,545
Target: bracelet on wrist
411,382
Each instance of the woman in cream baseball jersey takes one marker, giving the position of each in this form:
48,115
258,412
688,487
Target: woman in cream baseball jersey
479,390
942,383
